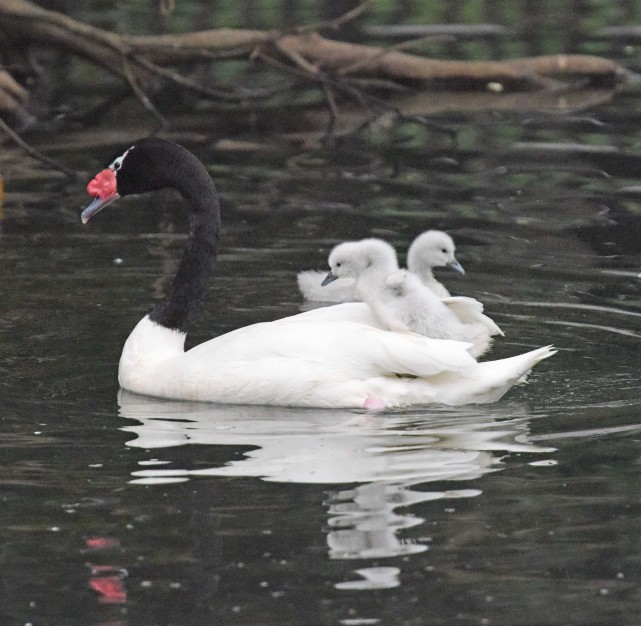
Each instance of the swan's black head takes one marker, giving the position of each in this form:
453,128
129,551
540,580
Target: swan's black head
148,165
152,164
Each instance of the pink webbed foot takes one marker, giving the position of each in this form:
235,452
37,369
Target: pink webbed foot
373,404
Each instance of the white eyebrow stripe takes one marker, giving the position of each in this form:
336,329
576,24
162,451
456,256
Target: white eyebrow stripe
121,158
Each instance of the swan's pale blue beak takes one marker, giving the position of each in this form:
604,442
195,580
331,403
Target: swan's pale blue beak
97,205
330,278
456,266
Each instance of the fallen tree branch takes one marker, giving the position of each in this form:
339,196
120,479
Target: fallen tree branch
356,59
23,21
373,106
141,60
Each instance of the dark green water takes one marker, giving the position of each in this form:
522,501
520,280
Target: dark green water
124,510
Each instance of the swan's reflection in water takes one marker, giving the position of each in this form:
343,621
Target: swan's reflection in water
376,458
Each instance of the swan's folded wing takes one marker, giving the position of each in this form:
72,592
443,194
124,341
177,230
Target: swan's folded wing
398,350
411,354
309,283
470,311
366,350
355,349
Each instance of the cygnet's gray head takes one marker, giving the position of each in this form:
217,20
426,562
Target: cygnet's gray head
433,248
352,258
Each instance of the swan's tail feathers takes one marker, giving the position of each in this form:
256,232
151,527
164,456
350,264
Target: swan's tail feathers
309,284
513,370
490,380
534,358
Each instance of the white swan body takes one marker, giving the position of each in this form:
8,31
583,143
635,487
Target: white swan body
314,360
336,357
431,249
401,302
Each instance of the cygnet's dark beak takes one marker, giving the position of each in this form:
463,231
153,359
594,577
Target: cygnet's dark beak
456,266
330,278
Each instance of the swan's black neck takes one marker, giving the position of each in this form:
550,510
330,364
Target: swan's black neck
188,176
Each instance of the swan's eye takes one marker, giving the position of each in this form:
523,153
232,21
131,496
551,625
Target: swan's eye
444,250
117,164
338,264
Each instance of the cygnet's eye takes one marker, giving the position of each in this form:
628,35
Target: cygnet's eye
338,264
444,250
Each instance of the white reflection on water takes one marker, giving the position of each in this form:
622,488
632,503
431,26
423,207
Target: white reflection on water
373,578
377,459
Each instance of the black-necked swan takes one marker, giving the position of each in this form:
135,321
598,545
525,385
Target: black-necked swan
431,249
400,301
332,357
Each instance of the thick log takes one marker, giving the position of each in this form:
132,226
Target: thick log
349,59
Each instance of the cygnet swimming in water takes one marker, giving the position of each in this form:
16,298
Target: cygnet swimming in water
431,249
401,302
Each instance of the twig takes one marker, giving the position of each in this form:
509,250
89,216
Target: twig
324,80
369,102
334,24
423,121
142,96
298,59
333,113
36,154
206,92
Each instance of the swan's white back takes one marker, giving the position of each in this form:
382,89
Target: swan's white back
331,357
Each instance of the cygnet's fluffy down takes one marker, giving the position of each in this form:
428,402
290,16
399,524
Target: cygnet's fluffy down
401,302
431,249
309,284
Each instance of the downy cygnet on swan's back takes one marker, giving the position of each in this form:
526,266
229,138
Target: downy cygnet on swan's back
334,357
431,249
400,301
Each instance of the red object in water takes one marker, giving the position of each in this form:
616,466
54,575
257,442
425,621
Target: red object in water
101,543
103,185
110,588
